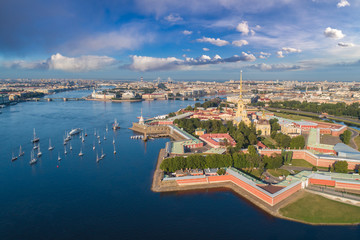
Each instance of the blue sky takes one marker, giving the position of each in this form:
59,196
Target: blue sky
187,39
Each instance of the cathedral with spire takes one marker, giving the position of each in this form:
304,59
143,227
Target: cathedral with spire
241,114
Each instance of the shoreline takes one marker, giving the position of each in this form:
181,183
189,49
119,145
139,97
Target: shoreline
110,100
172,186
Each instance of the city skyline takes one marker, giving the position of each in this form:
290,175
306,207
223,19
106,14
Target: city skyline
187,40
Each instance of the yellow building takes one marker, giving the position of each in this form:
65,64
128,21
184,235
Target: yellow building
241,114
264,126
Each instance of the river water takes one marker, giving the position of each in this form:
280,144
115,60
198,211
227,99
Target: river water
78,198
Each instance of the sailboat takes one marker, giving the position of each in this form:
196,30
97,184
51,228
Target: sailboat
107,129
113,140
81,153
83,138
13,158
104,137
102,154
114,149
94,131
85,133
116,125
97,158
39,152
99,141
35,147
33,160
59,158
50,147
35,139
65,152
21,152
70,146
94,145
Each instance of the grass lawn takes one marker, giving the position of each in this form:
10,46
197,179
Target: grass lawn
313,208
253,172
300,163
357,141
269,142
278,172
297,117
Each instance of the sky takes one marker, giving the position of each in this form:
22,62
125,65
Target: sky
211,40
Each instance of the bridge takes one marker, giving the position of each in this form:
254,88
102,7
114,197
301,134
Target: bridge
54,99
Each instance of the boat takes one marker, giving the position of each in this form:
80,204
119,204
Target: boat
83,138
75,131
35,147
94,145
33,159
85,133
35,139
116,125
107,129
97,158
114,149
13,158
99,141
70,146
113,140
94,131
65,152
104,137
102,154
39,152
21,152
50,147
59,158
81,153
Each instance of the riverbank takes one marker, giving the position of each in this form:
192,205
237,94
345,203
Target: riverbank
171,186
111,100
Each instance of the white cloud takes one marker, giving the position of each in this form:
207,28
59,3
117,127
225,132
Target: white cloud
290,50
275,67
206,49
144,63
343,44
243,27
173,17
240,43
68,64
218,42
343,3
187,32
279,54
264,55
333,33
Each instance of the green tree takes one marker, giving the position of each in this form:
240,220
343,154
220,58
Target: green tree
341,166
346,136
297,142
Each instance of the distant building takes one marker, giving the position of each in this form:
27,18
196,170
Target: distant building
100,95
263,125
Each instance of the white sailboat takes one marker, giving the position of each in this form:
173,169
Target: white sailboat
94,145
116,125
39,152
65,152
83,138
94,131
113,140
21,152
107,129
102,154
59,158
81,153
33,160
97,158
114,149
35,139
99,141
104,137
13,158
70,146
50,147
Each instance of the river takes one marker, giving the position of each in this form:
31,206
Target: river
78,198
